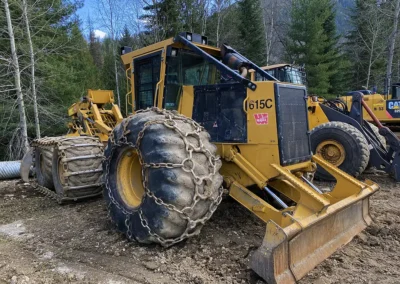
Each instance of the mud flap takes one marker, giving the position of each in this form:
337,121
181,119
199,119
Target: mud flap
26,164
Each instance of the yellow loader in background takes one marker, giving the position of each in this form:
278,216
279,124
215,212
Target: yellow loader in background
385,107
341,133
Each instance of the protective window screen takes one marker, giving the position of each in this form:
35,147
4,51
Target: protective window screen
147,75
289,74
219,108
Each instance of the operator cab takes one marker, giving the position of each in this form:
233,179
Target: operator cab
183,66
158,73
396,91
286,73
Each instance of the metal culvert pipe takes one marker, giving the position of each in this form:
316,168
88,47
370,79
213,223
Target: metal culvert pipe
10,170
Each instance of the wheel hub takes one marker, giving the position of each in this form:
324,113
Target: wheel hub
129,178
332,151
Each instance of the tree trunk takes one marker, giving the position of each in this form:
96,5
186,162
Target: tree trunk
116,77
111,7
370,66
32,57
392,43
17,78
218,24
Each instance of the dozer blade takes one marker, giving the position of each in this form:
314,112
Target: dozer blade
288,253
26,165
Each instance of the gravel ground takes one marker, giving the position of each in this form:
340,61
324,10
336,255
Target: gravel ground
42,242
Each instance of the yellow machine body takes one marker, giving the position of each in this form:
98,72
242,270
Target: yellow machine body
316,116
95,115
384,108
316,223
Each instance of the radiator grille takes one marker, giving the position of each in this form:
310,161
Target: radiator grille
291,109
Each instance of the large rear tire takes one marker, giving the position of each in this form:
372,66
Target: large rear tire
342,145
162,180
375,129
77,168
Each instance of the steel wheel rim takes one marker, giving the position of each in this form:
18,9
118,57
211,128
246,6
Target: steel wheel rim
332,151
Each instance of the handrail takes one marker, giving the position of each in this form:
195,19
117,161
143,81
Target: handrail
156,92
128,88
127,102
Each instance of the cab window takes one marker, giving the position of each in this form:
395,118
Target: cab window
186,68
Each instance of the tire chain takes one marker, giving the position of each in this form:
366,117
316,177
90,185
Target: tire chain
44,142
52,142
187,165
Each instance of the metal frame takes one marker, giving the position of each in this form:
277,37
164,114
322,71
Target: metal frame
381,158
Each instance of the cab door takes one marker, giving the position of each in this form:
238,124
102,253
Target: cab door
147,76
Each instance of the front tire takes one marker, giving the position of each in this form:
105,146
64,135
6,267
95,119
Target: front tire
342,145
162,180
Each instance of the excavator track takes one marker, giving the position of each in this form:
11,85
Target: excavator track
76,167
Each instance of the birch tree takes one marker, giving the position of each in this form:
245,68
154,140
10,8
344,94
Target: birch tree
111,14
24,146
32,61
391,45
367,44
269,20
219,9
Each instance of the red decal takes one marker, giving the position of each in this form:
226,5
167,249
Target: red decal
389,115
261,118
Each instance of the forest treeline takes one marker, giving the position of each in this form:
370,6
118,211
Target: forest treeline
57,55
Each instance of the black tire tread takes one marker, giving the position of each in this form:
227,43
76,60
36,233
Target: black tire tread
174,186
43,148
375,129
357,137
92,181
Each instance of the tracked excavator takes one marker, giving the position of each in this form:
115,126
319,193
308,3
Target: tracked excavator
198,125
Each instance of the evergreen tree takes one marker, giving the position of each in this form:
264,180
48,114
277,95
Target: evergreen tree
251,28
339,79
193,15
126,38
223,24
367,44
64,68
162,19
312,42
95,50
